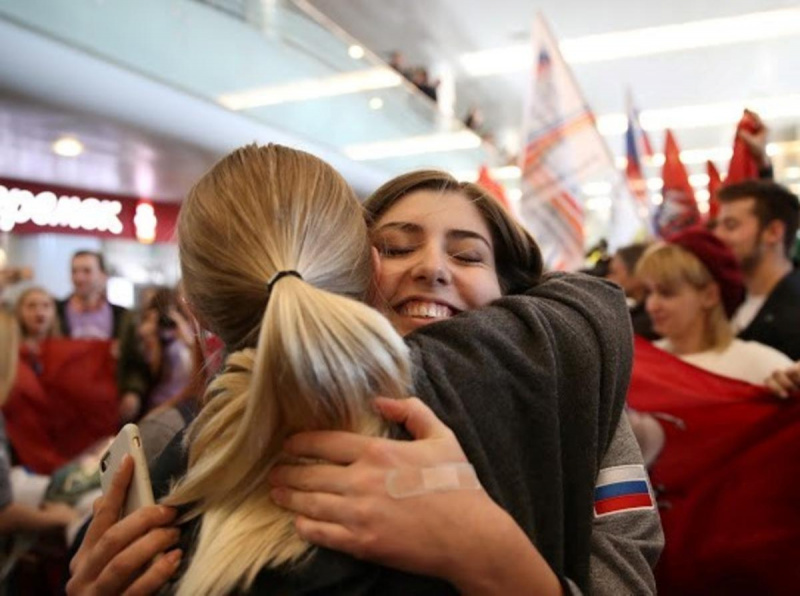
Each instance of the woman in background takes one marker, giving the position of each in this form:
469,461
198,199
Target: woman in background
694,286
167,341
19,517
36,315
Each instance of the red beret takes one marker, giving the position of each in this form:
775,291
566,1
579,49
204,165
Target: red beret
719,261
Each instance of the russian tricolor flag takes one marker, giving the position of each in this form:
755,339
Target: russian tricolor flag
622,488
637,147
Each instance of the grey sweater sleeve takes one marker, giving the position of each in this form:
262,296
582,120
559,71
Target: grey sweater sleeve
626,545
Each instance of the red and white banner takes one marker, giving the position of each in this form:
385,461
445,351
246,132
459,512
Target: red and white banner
30,208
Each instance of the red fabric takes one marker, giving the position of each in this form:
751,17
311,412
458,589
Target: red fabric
743,166
678,209
27,413
493,187
728,479
714,182
73,403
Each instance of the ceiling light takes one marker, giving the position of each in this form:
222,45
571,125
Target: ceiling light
67,147
436,143
643,42
499,173
376,103
601,203
791,173
699,179
355,52
706,33
698,116
596,188
514,195
341,84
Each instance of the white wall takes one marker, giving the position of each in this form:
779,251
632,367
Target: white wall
49,255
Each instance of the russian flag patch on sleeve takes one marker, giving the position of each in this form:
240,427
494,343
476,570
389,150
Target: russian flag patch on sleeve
621,489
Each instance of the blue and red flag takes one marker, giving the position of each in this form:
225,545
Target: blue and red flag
637,147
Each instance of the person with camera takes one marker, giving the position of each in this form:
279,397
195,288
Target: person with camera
166,340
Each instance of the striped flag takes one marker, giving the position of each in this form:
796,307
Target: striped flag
562,153
637,146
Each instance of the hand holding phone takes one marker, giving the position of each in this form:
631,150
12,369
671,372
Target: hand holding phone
140,491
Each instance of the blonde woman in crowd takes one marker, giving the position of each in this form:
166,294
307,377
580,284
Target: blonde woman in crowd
19,517
274,249
694,286
36,313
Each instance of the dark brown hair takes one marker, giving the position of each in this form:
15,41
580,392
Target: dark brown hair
101,262
517,257
772,202
630,255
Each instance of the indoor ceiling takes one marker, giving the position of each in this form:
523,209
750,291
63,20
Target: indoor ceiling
117,158
156,118
755,62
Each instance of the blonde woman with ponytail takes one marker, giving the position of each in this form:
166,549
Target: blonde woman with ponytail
279,284
275,253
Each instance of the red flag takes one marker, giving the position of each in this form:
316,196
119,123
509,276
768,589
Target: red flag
678,209
714,182
493,187
728,479
743,165
72,404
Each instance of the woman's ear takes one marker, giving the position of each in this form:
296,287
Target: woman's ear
710,295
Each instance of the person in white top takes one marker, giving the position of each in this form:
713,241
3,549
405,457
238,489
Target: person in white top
694,286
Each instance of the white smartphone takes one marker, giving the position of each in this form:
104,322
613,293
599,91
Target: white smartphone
140,491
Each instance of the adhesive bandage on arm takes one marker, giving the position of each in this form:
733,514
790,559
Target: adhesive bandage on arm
403,483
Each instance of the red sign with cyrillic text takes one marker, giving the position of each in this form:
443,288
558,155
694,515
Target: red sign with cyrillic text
35,208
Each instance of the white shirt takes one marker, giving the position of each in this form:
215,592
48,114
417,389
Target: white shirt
746,312
747,361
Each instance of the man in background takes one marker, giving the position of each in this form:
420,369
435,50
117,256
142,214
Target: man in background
87,314
758,220
622,271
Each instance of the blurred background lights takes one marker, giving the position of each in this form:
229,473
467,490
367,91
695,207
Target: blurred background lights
356,52
67,146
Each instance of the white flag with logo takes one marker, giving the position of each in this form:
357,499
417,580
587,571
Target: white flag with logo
570,184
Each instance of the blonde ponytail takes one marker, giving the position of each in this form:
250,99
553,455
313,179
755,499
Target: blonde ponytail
312,358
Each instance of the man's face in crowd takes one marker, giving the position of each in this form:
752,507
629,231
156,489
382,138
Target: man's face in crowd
738,227
88,279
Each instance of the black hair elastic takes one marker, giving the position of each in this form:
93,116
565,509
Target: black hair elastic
279,274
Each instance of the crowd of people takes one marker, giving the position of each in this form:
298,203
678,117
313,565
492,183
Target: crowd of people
519,468
417,75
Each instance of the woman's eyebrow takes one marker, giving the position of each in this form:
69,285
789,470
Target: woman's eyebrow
403,226
461,234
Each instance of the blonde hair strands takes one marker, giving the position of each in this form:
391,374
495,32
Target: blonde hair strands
9,352
671,265
304,356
